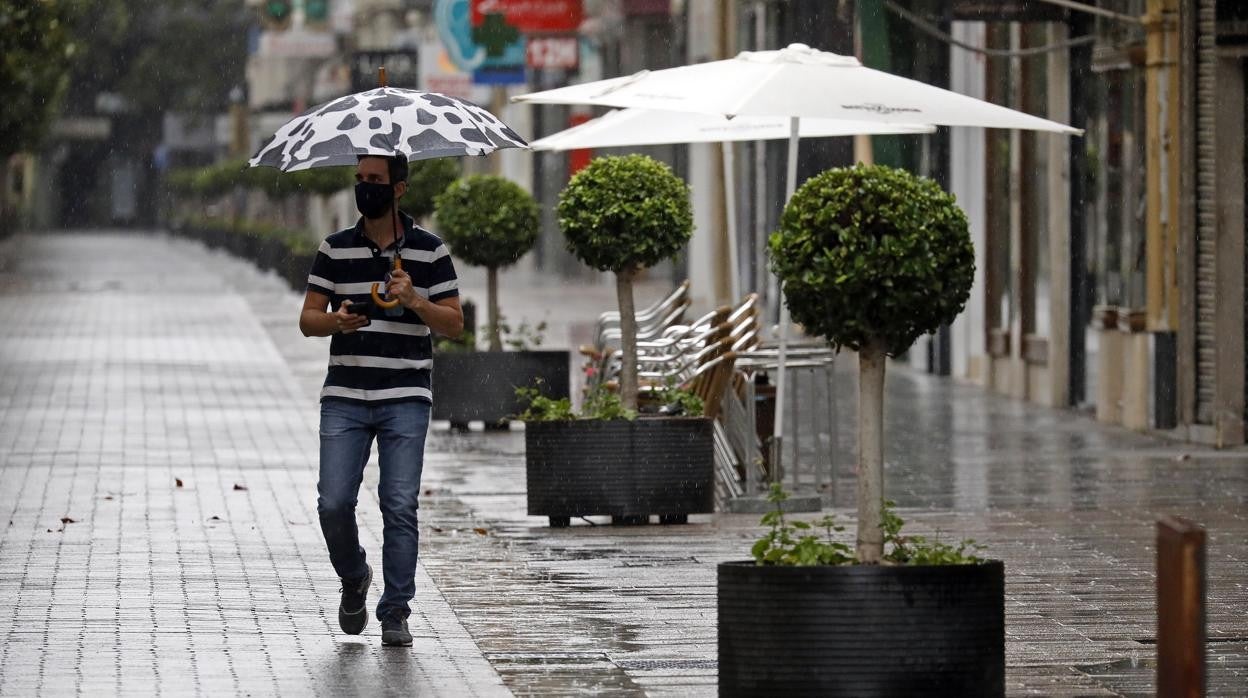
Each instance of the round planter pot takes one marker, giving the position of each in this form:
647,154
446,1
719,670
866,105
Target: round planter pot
861,630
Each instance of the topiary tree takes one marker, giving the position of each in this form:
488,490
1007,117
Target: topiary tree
488,221
425,180
624,214
871,257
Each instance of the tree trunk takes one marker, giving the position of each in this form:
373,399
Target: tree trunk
628,337
496,340
871,363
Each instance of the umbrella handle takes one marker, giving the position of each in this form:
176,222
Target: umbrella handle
387,304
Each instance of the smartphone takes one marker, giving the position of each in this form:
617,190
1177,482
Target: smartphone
360,308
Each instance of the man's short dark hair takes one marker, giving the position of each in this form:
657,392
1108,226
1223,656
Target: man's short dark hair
396,165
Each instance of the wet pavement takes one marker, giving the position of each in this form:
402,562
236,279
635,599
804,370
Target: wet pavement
132,362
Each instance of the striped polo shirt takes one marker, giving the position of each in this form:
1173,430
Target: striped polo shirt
391,359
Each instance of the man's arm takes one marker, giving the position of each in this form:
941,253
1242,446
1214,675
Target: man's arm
443,316
314,321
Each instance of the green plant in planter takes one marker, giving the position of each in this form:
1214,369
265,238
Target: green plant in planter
522,337
796,542
599,404
488,221
872,257
623,214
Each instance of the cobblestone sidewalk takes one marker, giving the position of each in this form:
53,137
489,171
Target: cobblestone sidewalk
157,489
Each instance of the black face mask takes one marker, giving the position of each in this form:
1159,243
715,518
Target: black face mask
372,199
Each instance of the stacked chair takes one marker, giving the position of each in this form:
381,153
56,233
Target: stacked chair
698,355
718,357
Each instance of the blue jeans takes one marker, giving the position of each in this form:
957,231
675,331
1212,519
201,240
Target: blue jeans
347,432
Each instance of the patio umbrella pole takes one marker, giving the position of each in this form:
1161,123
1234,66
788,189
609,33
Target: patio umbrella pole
730,218
778,428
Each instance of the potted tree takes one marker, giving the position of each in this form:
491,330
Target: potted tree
622,214
492,222
870,257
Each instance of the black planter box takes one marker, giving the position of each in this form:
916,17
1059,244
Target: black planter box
625,469
861,630
471,385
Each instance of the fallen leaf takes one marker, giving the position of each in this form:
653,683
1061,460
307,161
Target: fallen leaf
177,481
108,496
437,529
481,531
238,487
67,520
49,530
214,518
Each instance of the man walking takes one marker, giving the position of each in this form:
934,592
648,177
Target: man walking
378,384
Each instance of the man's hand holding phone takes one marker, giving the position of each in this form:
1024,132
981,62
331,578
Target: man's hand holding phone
352,316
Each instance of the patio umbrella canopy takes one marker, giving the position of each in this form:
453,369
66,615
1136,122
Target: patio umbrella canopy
385,121
629,127
797,81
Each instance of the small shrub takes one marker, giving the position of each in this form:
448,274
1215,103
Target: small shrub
797,543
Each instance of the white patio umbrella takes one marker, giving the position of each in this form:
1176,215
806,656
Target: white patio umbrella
796,83
629,127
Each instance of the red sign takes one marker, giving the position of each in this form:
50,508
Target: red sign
532,16
552,52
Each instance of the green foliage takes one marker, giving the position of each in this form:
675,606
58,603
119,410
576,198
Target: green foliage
426,179
296,242
599,404
465,342
36,51
219,179
919,550
605,404
487,220
872,252
797,543
542,408
322,181
524,336
620,213
791,542
681,401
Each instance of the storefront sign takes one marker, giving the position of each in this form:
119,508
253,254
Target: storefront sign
492,50
532,16
552,52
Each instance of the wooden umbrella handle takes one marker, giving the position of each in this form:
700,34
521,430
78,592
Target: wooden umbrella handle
387,304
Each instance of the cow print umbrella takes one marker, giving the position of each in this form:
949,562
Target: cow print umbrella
385,121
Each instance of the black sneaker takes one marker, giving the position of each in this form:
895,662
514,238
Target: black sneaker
394,631
352,613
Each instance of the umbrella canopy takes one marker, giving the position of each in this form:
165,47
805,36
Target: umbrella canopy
797,81
385,121
626,127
